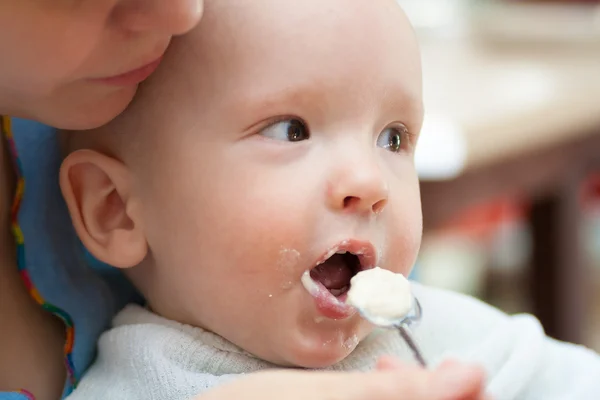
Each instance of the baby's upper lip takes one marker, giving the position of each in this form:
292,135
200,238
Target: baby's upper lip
362,249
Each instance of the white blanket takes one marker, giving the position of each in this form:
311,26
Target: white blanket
147,357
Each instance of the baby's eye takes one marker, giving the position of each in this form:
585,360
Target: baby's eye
289,130
394,139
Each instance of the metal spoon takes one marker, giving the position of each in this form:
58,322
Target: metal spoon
402,324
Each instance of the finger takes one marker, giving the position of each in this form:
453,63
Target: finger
449,363
387,363
412,382
454,381
407,383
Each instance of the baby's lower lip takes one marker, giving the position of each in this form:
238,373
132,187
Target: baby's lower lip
327,304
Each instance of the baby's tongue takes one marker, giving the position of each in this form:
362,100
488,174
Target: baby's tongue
333,274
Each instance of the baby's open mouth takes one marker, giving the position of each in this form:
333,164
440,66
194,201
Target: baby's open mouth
329,281
335,273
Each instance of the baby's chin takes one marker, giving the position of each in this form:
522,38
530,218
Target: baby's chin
319,351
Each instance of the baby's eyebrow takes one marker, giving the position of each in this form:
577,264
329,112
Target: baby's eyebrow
301,95
265,103
398,103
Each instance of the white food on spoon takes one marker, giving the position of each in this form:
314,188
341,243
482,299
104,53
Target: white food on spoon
383,296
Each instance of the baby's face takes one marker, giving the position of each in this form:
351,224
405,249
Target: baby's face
278,133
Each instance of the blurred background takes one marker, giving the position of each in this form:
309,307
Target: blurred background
509,157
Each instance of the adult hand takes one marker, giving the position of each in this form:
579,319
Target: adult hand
391,381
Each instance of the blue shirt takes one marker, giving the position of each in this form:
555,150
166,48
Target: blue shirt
81,291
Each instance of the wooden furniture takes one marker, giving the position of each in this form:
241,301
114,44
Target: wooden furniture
531,121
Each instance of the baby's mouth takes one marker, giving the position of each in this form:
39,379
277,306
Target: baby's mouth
329,281
336,272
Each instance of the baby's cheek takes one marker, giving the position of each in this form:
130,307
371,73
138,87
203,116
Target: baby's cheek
404,239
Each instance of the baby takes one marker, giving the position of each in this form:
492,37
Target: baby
278,138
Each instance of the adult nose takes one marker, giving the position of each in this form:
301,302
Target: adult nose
171,17
358,187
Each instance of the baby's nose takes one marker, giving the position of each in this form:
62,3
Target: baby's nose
359,189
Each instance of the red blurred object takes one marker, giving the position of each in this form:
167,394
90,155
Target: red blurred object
484,219
590,191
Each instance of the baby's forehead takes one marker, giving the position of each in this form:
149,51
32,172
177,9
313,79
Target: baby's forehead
253,32
245,49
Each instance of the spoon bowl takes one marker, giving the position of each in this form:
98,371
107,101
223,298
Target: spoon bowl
402,324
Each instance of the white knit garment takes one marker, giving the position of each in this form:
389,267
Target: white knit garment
147,357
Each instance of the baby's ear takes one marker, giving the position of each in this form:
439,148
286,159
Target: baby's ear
97,189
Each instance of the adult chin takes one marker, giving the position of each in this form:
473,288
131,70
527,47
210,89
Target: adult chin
73,112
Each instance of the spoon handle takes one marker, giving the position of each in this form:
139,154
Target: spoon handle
407,336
